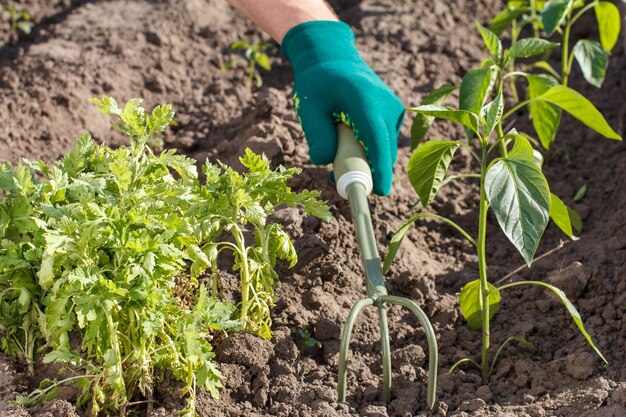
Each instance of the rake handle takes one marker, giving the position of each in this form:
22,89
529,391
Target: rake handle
354,183
350,164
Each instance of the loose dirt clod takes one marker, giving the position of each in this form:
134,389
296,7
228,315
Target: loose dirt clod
244,349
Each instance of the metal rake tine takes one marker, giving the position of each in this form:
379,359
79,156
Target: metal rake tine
345,345
386,360
433,353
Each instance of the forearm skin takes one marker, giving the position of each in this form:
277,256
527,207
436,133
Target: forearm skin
276,17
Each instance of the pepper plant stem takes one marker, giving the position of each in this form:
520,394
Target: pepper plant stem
533,13
482,269
515,108
514,35
565,66
502,143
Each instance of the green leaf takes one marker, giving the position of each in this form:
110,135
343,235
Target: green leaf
580,193
24,300
579,107
525,48
24,27
107,106
546,117
553,14
470,302
263,60
161,118
609,24
428,165
575,219
282,247
397,238
492,113
520,198
560,215
465,118
200,261
149,262
504,19
522,149
474,90
491,40
123,174
239,45
61,355
46,272
592,59
568,305
546,67
421,122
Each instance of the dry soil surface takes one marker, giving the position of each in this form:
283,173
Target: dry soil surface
172,51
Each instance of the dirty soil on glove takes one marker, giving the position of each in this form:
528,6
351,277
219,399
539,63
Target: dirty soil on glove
172,51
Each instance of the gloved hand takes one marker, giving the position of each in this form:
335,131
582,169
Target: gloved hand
333,82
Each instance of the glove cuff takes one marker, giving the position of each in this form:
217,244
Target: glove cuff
311,43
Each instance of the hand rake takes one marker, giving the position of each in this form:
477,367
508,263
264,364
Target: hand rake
354,183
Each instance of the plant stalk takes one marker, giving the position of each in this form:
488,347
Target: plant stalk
514,35
533,13
502,144
245,286
565,67
482,270
29,345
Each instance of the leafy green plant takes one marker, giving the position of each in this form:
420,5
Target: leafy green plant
512,184
19,20
556,18
240,202
253,54
110,248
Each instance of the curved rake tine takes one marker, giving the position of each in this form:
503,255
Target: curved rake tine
384,341
345,345
433,354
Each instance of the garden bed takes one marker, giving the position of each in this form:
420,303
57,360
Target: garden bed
172,51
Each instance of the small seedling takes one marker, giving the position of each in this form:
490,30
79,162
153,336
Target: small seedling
19,20
307,339
254,54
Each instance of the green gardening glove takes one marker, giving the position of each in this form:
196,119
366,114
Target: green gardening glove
332,82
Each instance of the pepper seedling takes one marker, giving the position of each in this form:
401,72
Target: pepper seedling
254,54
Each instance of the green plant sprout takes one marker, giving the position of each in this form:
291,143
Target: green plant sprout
557,17
308,340
19,20
512,184
254,54
118,248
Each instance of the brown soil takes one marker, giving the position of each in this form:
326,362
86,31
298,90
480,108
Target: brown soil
172,50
